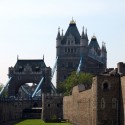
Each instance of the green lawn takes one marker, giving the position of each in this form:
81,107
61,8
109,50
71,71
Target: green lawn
38,122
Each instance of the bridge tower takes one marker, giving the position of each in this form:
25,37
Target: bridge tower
29,71
72,47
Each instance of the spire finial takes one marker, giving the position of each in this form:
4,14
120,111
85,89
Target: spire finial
72,21
58,29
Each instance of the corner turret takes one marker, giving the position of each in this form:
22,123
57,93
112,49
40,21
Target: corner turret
58,38
84,38
104,52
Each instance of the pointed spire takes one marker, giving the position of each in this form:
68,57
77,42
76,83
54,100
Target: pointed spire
62,32
86,34
58,35
43,57
83,35
103,46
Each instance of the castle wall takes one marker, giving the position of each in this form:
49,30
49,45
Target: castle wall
108,89
52,107
77,107
12,109
121,67
123,97
100,105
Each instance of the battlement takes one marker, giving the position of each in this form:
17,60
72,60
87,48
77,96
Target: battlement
52,107
121,68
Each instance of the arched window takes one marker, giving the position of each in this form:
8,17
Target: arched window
68,42
102,103
114,103
106,85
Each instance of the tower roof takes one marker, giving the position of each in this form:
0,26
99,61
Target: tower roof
31,62
72,30
94,44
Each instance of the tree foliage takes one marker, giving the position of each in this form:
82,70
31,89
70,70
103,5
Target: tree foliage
4,93
1,86
73,80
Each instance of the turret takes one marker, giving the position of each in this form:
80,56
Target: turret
104,53
84,38
103,50
94,46
58,38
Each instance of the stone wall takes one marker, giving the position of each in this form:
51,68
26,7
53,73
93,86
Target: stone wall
12,109
123,97
52,107
102,104
77,107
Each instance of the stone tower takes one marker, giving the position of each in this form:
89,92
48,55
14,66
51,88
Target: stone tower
72,47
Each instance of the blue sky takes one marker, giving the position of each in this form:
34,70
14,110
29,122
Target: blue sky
28,28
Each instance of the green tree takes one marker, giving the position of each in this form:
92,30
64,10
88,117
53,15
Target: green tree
73,80
4,93
1,86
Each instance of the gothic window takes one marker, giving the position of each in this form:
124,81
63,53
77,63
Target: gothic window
68,42
48,105
114,103
65,50
20,68
57,105
105,86
71,42
68,50
71,50
102,103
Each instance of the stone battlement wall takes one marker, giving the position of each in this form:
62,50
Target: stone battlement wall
12,109
121,68
74,104
52,105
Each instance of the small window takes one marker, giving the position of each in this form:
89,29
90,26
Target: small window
68,42
57,105
102,103
68,50
114,103
106,86
71,50
65,50
48,105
